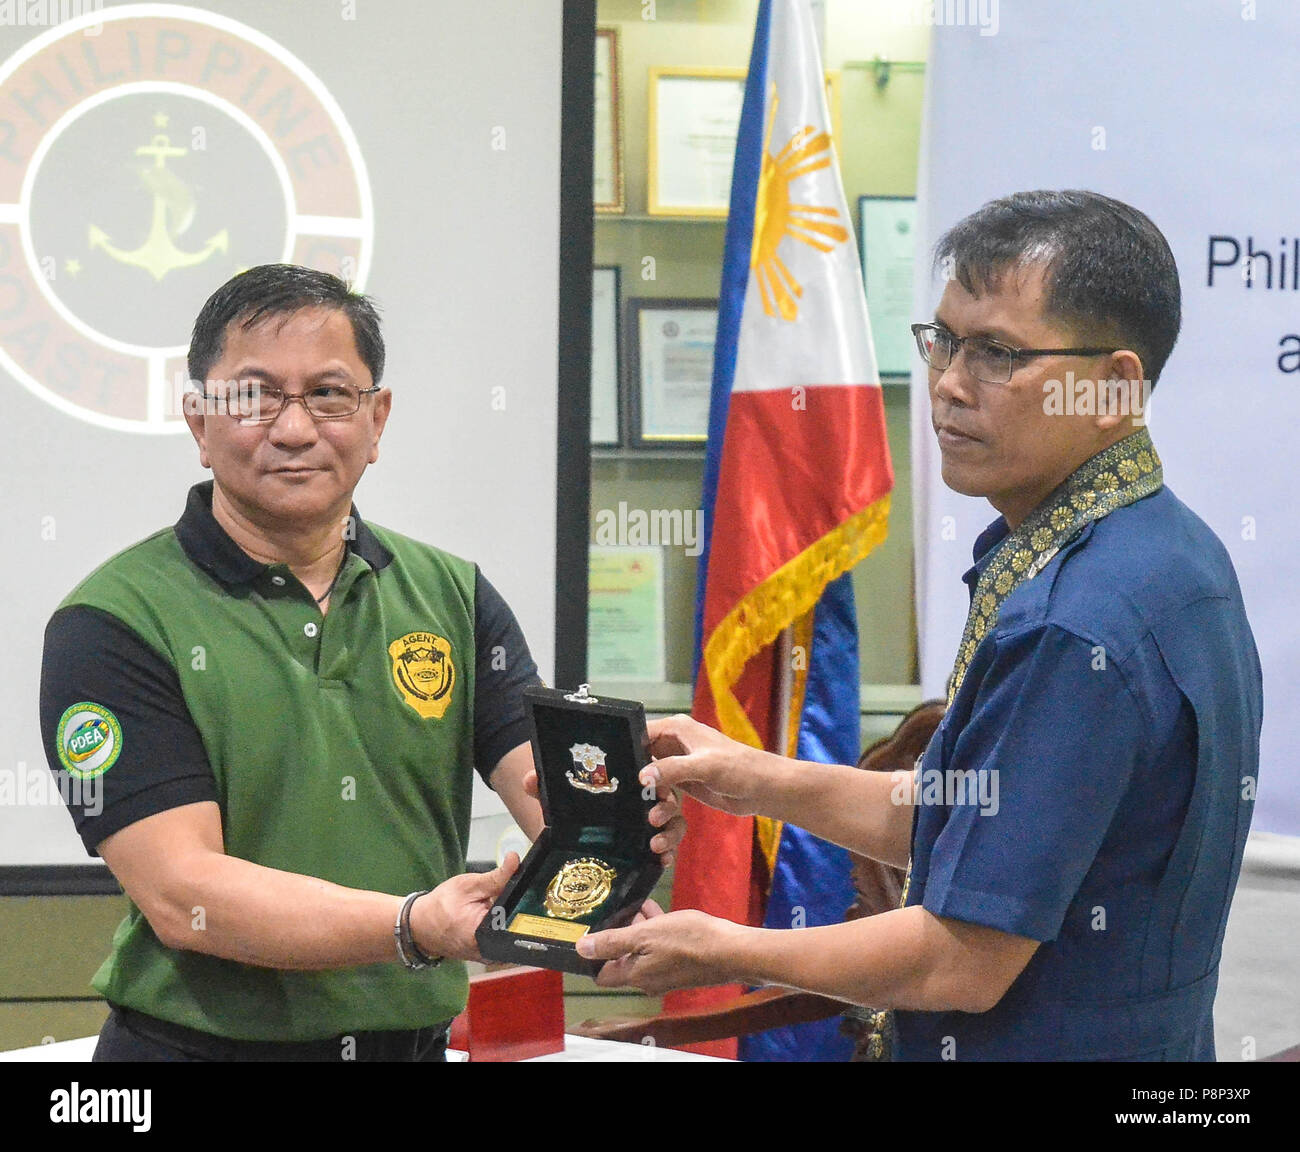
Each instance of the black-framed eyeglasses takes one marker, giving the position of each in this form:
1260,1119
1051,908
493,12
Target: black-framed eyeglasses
988,360
251,402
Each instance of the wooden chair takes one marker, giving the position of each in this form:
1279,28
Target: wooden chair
878,888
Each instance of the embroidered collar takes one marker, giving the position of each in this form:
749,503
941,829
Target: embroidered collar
1121,474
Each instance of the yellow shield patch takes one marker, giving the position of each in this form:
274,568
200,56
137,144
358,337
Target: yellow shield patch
423,672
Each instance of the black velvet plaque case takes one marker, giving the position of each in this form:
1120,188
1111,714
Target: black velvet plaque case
589,752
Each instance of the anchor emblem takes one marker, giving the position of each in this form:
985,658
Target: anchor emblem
173,202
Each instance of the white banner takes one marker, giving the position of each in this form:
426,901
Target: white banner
1187,112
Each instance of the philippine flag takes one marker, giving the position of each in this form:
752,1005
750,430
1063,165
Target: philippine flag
796,488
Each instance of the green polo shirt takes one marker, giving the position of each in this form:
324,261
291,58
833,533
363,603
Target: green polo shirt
337,746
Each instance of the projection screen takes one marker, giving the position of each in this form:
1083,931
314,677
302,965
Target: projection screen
416,147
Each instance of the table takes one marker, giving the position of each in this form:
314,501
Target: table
577,1049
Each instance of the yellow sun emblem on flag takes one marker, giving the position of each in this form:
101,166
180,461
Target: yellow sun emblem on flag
776,216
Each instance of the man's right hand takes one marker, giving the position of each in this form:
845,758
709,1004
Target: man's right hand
444,921
705,764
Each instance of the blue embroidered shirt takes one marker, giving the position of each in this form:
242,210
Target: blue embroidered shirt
1091,787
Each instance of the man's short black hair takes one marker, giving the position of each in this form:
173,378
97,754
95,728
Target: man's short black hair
281,290
1110,274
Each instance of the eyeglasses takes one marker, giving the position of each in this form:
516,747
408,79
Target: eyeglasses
986,360
251,402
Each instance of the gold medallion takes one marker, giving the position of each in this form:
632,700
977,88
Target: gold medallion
579,887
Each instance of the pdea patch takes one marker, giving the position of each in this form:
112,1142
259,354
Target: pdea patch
89,740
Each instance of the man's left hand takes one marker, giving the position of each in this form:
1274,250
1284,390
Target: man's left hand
674,950
444,921
666,816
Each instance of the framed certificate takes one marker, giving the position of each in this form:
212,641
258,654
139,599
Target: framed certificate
625,614
607,176
694,120
606,425
670,345
887,228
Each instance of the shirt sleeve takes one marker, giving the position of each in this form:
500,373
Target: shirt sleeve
503,668
1038,773
117,733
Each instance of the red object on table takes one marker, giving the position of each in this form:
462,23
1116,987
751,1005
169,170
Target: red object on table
512,1014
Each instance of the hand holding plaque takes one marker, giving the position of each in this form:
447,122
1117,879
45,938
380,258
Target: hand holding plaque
444,922
593,865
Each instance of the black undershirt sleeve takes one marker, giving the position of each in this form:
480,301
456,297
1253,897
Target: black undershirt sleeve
503,668
92,657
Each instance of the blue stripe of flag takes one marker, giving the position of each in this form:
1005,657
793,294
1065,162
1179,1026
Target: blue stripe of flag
731,296
811,874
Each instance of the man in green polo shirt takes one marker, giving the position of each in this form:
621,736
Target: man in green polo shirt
283,706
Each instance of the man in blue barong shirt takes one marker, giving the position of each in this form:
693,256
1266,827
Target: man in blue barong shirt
1075,828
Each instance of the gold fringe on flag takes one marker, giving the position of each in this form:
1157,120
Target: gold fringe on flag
791,592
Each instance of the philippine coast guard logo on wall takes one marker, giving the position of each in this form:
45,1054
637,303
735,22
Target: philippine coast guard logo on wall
590,773
423,672
148,152
88,740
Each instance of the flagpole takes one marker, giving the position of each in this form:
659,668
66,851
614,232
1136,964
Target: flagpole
785,689
819,23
